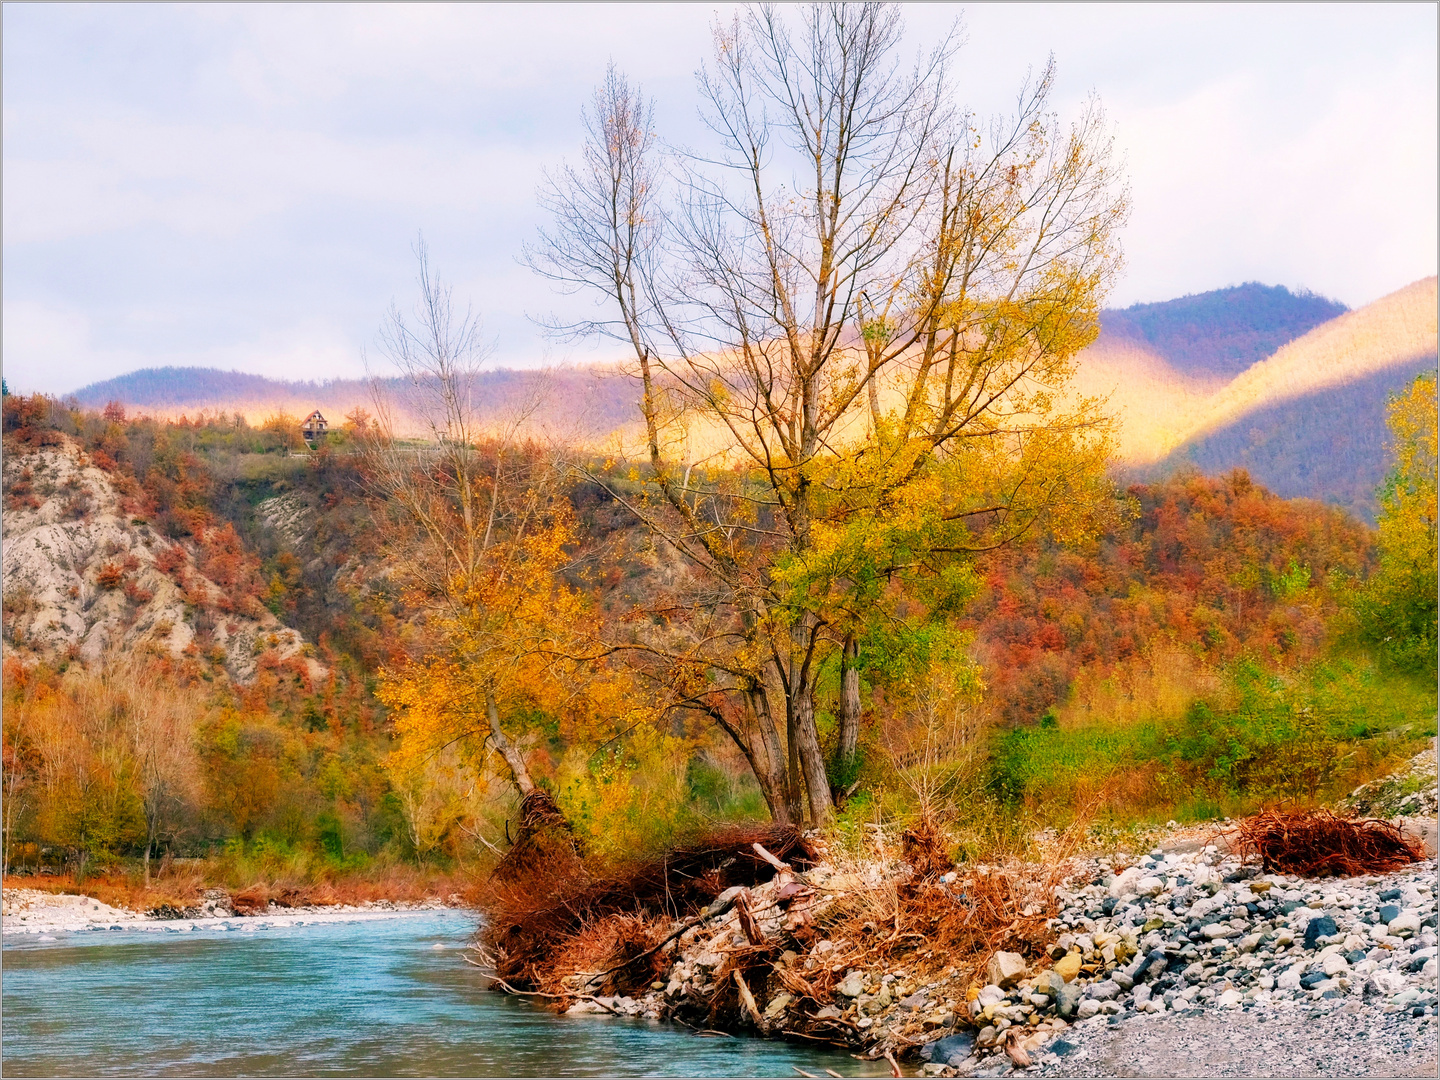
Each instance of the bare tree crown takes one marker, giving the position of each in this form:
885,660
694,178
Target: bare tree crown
863,305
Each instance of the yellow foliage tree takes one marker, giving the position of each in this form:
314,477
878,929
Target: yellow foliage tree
1397,606
482,528
853,340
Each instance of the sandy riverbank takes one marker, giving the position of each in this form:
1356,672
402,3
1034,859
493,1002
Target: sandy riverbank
32,911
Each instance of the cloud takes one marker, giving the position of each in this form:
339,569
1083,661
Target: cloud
241,184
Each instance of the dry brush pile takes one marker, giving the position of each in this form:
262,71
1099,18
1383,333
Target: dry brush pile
758,928
1315,843
751,927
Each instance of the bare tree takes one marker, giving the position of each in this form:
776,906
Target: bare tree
462,505
857,289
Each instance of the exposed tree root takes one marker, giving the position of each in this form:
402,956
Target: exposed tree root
1312,843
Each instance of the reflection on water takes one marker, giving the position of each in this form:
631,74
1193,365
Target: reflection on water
335,999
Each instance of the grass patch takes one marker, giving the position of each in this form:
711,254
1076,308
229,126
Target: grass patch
1255,738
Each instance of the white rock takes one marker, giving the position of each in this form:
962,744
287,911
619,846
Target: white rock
1006,968
1149,886
1124,883
1384,983
1290,978
1218,930
1087,1008
1334,964
1230,999
1405,921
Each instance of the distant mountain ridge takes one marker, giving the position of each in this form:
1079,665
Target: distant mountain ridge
1287,384
1219,334
584,400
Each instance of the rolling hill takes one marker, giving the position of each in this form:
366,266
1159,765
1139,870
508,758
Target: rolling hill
1291,386
576,402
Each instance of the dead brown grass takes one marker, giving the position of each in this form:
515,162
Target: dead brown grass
926,925
535,918
1314,843
613,954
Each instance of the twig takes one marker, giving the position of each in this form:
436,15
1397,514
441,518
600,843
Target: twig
779,866
802,1072
894,1065
540,993
747,999
832,1072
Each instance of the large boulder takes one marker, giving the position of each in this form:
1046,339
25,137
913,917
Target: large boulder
1006,969
951,1050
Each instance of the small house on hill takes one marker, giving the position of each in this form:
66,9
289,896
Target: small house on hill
314,429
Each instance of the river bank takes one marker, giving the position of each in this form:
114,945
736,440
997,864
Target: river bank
32,911
1183,937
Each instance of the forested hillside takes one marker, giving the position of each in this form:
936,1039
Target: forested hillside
1217,335
195,618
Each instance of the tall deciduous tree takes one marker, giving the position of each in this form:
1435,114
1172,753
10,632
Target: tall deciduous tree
481,525
853,317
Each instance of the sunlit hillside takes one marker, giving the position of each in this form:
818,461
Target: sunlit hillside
1395,331
1307,419
1162,409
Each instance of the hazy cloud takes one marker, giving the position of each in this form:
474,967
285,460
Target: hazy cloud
240,185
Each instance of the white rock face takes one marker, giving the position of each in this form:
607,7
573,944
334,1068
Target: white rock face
80,576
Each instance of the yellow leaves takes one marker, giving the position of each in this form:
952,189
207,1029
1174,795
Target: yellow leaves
627,797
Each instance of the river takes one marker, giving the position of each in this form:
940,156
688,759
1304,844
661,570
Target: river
386,996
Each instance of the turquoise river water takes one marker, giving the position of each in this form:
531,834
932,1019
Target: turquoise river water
372,998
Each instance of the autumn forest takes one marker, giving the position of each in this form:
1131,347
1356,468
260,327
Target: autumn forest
861,554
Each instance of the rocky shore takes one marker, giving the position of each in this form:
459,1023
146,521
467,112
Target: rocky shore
1169,945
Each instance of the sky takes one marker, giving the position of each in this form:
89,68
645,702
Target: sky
241,186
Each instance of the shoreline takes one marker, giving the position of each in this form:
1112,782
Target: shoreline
32,911
1184,939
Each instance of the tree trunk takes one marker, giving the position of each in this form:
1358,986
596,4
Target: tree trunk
849,733
513,758
800,716
812,759
765,757
793,784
